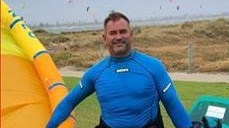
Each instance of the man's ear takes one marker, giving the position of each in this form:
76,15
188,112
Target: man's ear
131,32
104,37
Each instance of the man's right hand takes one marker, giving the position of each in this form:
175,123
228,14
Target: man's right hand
205,124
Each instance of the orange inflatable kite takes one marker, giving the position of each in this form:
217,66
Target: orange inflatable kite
31,85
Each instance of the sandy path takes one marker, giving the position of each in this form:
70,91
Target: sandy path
198,77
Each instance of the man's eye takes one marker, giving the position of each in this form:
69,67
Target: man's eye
123,31
112,32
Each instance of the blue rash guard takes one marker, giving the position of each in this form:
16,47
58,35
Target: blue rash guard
129,90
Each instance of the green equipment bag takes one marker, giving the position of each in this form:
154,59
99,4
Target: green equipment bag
211,112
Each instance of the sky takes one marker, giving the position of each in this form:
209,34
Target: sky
68,11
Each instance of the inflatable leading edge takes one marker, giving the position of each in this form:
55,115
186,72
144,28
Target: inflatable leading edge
31,85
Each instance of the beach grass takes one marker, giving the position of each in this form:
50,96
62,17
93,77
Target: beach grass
169,43
87,113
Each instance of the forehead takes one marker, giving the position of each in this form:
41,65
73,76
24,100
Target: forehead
117,24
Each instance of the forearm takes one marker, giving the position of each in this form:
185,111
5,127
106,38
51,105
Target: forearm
175,109
61,113
65,107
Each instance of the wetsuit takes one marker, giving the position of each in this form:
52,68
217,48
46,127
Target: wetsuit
128,90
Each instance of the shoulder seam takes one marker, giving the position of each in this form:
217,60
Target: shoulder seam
97,76
143,67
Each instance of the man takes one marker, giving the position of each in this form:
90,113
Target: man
128,84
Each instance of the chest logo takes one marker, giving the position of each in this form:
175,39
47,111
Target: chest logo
122,70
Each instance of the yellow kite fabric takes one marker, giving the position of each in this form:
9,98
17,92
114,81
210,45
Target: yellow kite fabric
31,85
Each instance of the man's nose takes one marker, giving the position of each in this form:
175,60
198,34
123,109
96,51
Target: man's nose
118,36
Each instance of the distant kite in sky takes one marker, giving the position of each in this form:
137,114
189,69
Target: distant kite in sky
178,7
70,1
92,12
23,6
112,10
88,8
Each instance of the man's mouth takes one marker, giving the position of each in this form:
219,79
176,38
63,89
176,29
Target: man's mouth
119,42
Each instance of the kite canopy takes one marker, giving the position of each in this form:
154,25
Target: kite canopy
31,85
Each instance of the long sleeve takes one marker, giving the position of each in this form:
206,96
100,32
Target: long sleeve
65,107
170,99
175,109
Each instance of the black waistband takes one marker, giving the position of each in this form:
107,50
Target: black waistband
157,123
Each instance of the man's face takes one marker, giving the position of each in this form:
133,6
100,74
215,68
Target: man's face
117,37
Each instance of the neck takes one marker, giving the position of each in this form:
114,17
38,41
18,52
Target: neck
122,55
123,58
